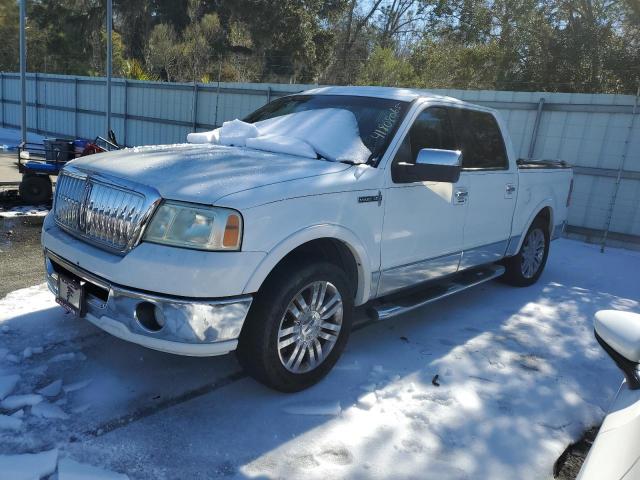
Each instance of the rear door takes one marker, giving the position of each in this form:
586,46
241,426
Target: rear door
491,184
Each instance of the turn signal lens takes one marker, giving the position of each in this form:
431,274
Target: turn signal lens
231,236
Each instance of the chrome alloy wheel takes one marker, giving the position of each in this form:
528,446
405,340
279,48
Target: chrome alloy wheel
310,327
532,253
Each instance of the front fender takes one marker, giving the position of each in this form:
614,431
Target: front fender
315,232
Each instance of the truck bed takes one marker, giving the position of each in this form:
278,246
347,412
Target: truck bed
524,164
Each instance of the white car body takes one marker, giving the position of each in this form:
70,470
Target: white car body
398,235
614,454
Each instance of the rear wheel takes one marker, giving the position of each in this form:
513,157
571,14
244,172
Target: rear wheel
298,326
35,189
525,268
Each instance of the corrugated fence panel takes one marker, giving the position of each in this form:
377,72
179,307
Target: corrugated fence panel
587,130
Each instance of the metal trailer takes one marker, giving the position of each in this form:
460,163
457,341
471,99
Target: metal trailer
39,162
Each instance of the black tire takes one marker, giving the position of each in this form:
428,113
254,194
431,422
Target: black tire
258,350
517,273
35,189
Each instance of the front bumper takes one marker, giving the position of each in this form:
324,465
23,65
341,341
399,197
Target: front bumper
195,327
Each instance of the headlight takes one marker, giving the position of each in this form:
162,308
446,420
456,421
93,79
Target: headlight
194,226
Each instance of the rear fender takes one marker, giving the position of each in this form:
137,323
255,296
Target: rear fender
515,242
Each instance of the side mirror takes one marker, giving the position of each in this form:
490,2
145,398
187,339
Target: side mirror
432,165
618,333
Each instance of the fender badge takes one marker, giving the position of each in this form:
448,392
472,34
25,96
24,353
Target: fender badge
371,198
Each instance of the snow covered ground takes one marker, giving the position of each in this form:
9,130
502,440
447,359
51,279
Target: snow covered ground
519,377
24,211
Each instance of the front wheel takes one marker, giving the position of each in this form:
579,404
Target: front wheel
525,268
298,326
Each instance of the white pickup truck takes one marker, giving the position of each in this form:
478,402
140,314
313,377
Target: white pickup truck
263,237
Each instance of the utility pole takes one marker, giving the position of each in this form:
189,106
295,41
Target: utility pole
109,49
23,70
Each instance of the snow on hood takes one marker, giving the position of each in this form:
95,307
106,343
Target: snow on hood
329,132
203,173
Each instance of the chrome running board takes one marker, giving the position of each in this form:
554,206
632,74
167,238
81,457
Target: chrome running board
399,303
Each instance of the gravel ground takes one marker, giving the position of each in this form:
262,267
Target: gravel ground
568,465
8,168
21,261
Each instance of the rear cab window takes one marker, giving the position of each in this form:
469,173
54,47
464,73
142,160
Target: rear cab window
479,138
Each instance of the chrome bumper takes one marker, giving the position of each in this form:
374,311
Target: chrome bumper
196,327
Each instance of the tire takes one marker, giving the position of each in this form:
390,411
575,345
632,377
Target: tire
272,323
525,268
35,189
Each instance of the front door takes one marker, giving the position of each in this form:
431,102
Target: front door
423,222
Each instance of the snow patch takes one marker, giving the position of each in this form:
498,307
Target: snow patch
48,410
30,351
81,408
332,133
282,144
212,136
28,466
12,358
14,402
63,357
72,387
9,422
236,132
319,408
367,400
24,211
51,390
71,470
7,384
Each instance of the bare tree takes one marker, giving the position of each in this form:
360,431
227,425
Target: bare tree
355,23
399,18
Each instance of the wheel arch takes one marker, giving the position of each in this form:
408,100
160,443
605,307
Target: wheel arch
545,210
331,242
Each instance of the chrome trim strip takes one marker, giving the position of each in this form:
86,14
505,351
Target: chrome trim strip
396,278
489,253
382,312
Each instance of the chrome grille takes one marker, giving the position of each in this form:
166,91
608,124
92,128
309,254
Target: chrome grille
102,211
69,193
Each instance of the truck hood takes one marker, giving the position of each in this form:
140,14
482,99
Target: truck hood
204,173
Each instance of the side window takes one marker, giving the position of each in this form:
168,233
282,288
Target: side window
479,138
431,129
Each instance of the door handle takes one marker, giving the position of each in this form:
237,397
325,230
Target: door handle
461,196
509,190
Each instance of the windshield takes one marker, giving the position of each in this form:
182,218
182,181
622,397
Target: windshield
377,118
